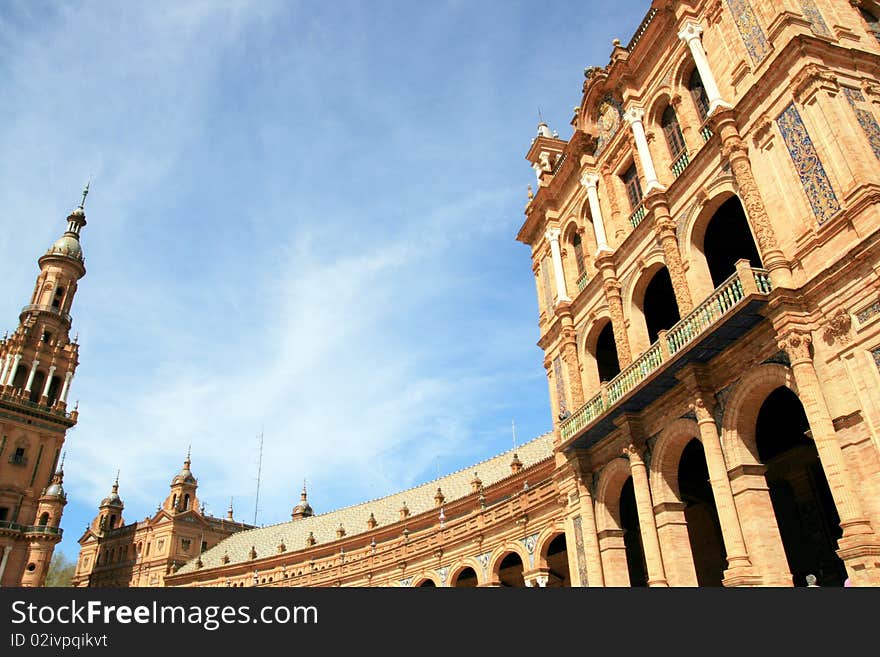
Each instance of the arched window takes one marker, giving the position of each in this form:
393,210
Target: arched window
698,93
54,389
112,521
873,23
578,252
630,179
174,502
37,386
672,132
59,294
186,502
44,519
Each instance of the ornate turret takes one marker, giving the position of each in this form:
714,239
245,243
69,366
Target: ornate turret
183,490
109,511
303,509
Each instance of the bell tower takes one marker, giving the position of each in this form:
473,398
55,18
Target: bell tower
37,364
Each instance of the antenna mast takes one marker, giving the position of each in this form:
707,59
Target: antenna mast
259,475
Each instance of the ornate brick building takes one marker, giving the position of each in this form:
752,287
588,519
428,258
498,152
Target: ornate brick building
37,363
706,251
113,554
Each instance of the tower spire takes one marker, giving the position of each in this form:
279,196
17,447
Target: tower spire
82,203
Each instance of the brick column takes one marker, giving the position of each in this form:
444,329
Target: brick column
664,228
569,353
859,545
616,222
735,151
645,508
672,531
613,554
611,286
589,535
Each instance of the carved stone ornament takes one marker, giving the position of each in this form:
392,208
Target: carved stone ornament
838,327
796,345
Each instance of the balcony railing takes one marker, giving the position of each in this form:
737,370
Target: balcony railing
582,280
14,526
679,163
45,309
24,401
725,298
637,215
706,131
30,529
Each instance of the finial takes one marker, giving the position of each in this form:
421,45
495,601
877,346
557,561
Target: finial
530,193
229,511
540,116
116,483
188,453
82,203
76,405
60,469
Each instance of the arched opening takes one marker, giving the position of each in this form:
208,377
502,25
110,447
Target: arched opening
805,513
633,187
56,300
54,387
578,248
44,519
701,515
632,536
698,93
37,386
728,238
606,354
466,579
428,583
557,563
174,502
186,502
20,378
112,522
672,132
510,571
872,22
659,306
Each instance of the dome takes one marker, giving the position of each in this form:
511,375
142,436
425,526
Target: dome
303,509
112,499
55,489
185,476
66,245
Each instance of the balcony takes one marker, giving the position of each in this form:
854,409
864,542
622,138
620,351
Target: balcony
637,215
21,402
729,312
30,529
679,163
582,281
36,308
706,131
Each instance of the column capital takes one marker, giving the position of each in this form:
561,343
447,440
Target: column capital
796,344
634,453
634,114
690,30
552,234
590,180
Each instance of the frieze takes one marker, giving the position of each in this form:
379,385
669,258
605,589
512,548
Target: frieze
867,313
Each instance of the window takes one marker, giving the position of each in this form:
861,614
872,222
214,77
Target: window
4,513
204,545
44,519
698,93
630,179
873,23
17,457
578,251
672,132
56,302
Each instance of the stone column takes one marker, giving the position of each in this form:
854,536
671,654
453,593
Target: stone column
569,353
735,151
613,554
590,536
647,524
6,363
611,286
48,381
66,387
552,236
3,561
690,34
615,223
664,228
30,381
591,182
859,546
634,116
13,369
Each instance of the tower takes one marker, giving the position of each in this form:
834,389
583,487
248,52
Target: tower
110,511
37,364
183,490
303,509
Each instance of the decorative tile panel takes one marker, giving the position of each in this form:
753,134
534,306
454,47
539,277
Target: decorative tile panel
869,312
865,118
811,11
749,29
406,582
443,573
484,562
529,543
579,545
560,386
548,292
806,161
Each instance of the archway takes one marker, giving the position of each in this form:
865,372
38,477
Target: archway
510,571
20,378
659,305
428,583
632,536
727,239
805,513
467,579
606,353
37,386
701,516
557,563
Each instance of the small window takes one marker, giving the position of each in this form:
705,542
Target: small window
578,252
204,545
630,179
31,567
4,513
672,132
46,336
44,519
18,458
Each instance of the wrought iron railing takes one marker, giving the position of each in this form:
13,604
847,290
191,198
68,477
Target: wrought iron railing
679,163
23,401
582,280
706,131
46,309
637,215
725,297
42,529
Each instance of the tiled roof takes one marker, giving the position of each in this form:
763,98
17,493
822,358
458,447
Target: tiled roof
386,510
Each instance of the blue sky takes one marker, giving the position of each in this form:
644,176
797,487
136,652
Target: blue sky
302,222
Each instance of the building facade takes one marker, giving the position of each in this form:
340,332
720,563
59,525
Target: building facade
706,252
119,555
37,364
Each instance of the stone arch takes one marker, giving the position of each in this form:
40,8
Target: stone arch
467,562
576,258
634,300
665,459
427,576
611,480
502,551
741,411
590,359
542,543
